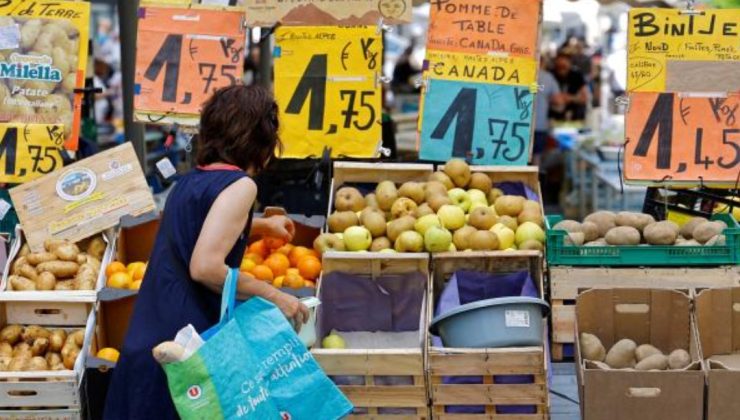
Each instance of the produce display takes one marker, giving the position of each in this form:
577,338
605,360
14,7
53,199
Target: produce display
63,266
626,354
455,210
604,228
121,276
35,348
281,264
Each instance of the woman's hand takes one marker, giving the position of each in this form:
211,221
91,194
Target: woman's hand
280,227
292,308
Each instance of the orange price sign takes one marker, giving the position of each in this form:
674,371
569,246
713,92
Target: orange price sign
675,138
485,26
183,56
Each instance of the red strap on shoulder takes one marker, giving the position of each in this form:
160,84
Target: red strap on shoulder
219,167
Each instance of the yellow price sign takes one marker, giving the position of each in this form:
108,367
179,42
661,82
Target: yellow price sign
328,89
502,70
28,151
674,51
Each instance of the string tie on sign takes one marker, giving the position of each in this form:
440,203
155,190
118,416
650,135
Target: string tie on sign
619,165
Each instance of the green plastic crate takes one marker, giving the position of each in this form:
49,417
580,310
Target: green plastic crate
8,223
643,255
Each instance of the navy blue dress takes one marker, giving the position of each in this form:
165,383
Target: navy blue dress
169,298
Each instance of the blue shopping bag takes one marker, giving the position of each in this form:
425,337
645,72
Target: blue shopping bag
253,366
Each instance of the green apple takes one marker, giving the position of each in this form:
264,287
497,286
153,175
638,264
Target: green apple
437,239
409,241
506,236
333,341
477,196
475,205
451,216
529,231
460,198
425,222
357,238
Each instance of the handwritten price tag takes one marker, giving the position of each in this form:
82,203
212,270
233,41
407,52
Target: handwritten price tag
682,139
183,56
671,51
489,123
327,87
28,151
482,68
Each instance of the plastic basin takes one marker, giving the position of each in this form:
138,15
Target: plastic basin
502,322
307,334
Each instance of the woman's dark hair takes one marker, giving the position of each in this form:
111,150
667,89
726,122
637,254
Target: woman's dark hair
239,126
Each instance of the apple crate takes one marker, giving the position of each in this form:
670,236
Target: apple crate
566,283
471,383
109,236
385,379
46,394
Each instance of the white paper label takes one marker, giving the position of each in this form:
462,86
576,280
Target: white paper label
10,37
166,168
4,208
216,2
517,319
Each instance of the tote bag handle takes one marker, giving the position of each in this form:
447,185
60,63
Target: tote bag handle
228,295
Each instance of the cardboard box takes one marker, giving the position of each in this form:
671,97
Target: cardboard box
717,315
647,316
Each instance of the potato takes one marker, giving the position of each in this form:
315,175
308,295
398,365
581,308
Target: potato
46,281
679,359
168,352
85,279
93,262
19,262
661,233
718,240
591,348
22,348
574,238
604,220
568,226
636,220
67,252
622,353
30,333
623,235
57,338
687,230
19,363
5,363
20,283
11,334
597,242
39,346
705,231
28,272
653,362
644,351
38,363
690,242
590,231
81,258
60,269
25,250
77,338
50,245
65,285
54,360
69,357
6,349
97,247
601,365
41,257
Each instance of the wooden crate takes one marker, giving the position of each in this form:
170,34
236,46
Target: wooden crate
567,282
373,363
486,363
46,394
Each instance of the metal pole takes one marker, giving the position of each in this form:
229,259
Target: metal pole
128,19
265,69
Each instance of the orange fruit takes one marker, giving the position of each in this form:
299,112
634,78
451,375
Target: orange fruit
310,284
138,271
278,263
309,267
134,266
297,253
259,248
135,285
110,354
294,281
114,267
262,272
247,265
278,282
314,253
292,270
119,280
272,242
254,257
285,249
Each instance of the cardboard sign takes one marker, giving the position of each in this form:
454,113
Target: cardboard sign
671,51
498,27
327,13
28,151
491,124
43,57
671,138
511,70
328,90
85,198
183,56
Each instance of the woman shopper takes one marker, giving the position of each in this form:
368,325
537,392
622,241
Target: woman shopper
203,232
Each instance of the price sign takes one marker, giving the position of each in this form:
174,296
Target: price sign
485,26
183,56
327,13
43,57
28,151
682,139
491,124
482,68
672,51
327,86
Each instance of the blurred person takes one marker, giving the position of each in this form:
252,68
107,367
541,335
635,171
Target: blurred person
573,85
548,98
403,73
252,65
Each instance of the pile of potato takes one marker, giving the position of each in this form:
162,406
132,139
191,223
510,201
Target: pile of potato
61,267
626,354
604,228
34,348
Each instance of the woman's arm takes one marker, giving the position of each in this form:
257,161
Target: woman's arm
224,224
277,226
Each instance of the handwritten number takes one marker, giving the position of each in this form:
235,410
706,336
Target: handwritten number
726,133
228,74
8,146
167,57
208,79
507,152
697,151
660,120
313,82
37,159
462,110
350,112
520,141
